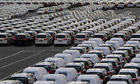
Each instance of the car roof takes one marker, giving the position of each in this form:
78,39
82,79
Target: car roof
96,70
20,75
128,70
9,81
76,64
120,76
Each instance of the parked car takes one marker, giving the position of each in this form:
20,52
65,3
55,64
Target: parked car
102,73
23,39
70,73
49,66
24,78
11,82
58,78
6,38
62,38
38,72
43,38
91,79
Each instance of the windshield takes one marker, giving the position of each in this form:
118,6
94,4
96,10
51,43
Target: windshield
132,67
50,79
127,50
63,73
120,79
60,36
99,54
135,36
13,33
20,36
87,48
80,36
2,31
106,68
133,75
120,53
121,36
115,57
98,36
41,36
97,73
22,79
2,36
78,68
85,62
113,63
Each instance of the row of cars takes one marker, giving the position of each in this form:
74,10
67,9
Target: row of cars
15,10
73,2
98,56
53,9
27,31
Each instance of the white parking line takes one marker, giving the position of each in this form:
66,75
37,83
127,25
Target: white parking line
11,55
22,59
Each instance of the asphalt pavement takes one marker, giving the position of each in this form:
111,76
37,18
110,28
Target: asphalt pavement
15,59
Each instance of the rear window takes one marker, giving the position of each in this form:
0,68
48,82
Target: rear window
120,79
104,67
41,36
133,75
80,36
121,36
2,36
135,36
63,73
86,81
60,36
98,36
50,79
20,36
97,73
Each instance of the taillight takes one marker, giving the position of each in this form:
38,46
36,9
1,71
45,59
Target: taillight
45,39
36,39
123,38
125,58
103,39
130,54
87,67
32,36
65,39
85,39
55,39
75,38
81,72
135,79
24,39
115,67
135,51
103,79
101,57
50,72
5,38
15,39
120,62
109,72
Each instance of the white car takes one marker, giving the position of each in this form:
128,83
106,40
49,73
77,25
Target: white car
62,38
11,82
43,38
